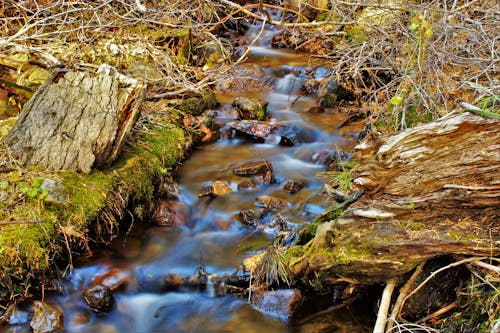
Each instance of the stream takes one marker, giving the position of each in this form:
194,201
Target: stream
212,236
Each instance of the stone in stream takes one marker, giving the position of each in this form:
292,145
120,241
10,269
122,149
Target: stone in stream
46,318
269,202
114,279
220,187
293,186
292,135
254,130
169,213
264,178
99,297
249,217
279,303
251,108
253,168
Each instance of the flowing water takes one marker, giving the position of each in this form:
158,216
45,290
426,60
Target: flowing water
211,233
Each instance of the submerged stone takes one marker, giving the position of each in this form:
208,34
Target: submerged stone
249,217
220,187
169,213
253,168
270,202
47,318
99,297
293,186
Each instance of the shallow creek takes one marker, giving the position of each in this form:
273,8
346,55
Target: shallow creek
212,235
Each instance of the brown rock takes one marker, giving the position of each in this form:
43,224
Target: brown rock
169,213
100,298
270,202
249,217
265,178
220,187
254,130
253,168
293,186
47,318
114,278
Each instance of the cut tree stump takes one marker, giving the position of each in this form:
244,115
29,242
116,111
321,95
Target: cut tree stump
76,120
429,191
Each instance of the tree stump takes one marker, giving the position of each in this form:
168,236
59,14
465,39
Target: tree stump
76,120
430,191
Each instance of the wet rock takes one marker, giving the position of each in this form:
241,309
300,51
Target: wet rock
249,217
265,178
246,185
269,202
310,86
321,157
220,187
251,108
280,303
330,92
47,318
57,192
99,297
253,130
169,213
293,186
114,279
253,168
292,135
278,222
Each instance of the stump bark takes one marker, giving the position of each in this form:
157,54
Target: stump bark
76,120
429,191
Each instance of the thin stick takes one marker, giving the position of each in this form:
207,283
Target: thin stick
438,312
385,303
458,263
20,222
396,309
493,268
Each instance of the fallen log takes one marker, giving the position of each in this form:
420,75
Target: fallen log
76,120
429,191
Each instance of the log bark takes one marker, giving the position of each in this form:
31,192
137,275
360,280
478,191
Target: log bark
76,120
431,190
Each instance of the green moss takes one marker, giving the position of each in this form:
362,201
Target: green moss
28,248
6,125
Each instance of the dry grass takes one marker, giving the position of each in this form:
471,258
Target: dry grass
416,65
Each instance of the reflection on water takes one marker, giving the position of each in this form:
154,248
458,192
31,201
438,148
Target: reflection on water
211,234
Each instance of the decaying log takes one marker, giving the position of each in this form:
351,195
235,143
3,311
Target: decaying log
431,190
76,120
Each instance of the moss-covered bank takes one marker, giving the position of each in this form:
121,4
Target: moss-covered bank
36,234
